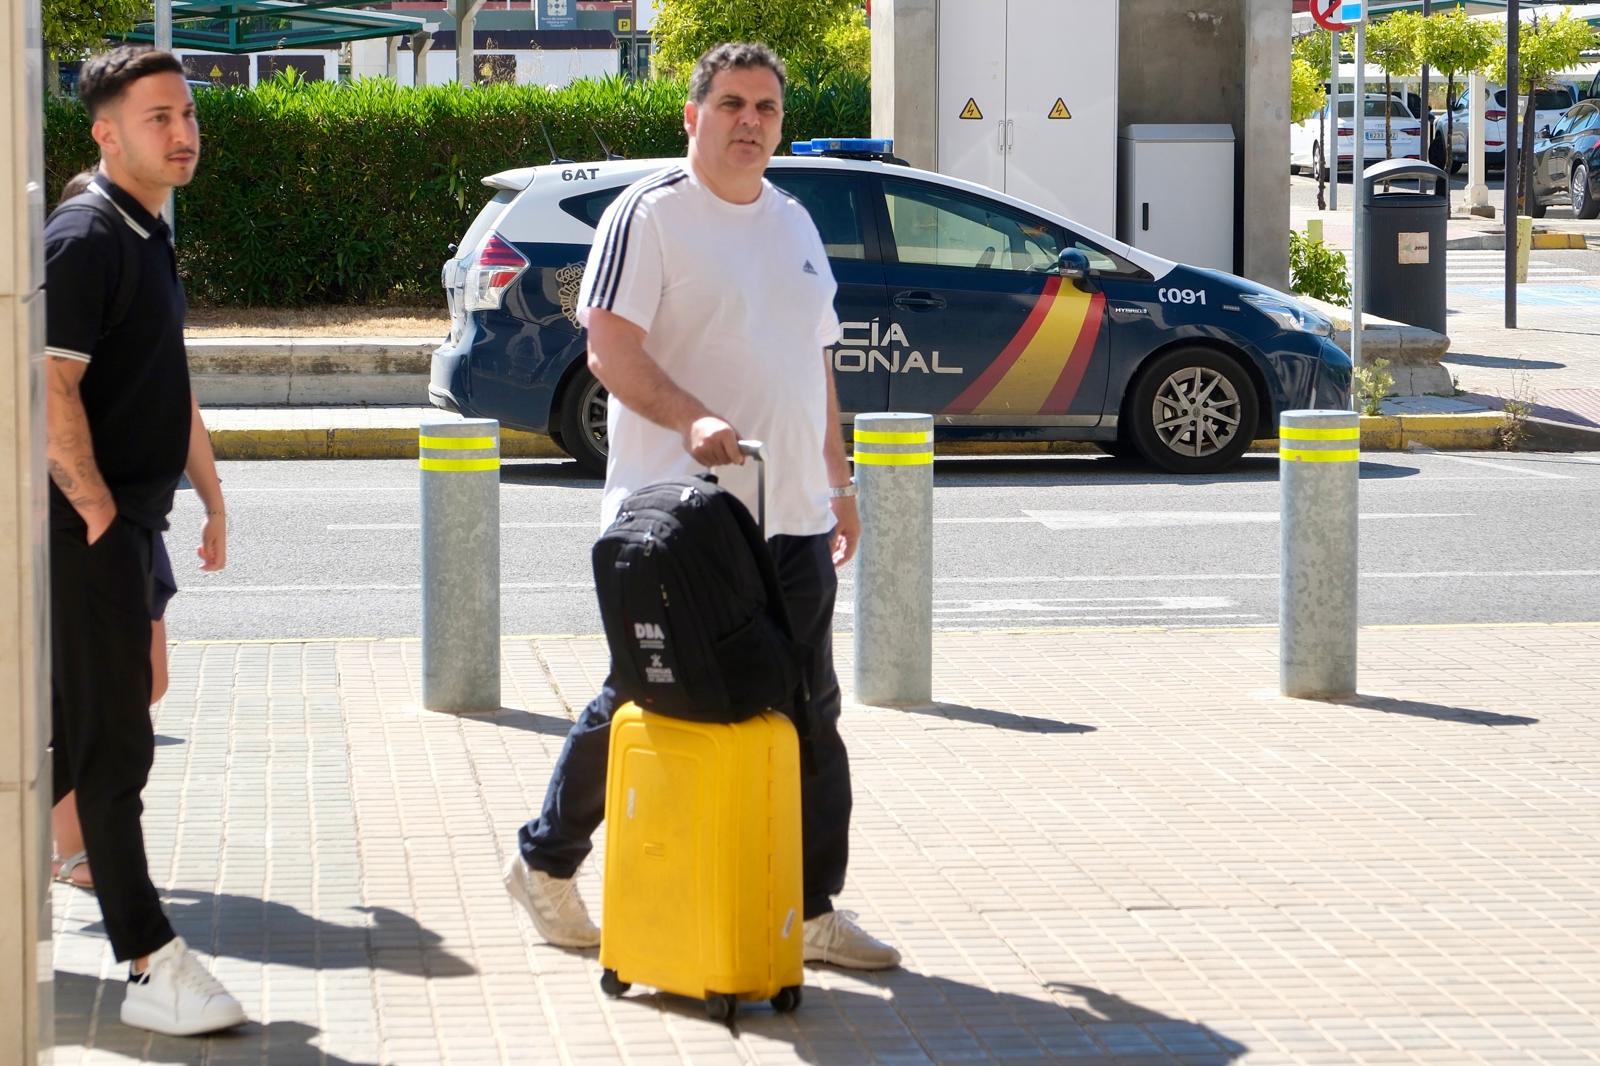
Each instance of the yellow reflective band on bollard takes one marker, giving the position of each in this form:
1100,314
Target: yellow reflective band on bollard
1301,433
894,458
879,436
429,463
456,444
1300,455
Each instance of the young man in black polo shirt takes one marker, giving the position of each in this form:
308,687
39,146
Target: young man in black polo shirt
119,410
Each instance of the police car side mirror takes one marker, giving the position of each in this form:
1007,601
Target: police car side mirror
1544,131
1073,264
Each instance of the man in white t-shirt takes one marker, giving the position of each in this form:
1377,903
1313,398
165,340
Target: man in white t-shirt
708,299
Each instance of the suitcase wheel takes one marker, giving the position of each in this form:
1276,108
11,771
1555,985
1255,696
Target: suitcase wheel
720,1007
612,985
787,999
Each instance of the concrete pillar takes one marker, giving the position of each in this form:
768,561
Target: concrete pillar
26,999
1264,245
391,58
1477,175
905,82
460,464
367,59
894,566
421,41
465,13
1319,476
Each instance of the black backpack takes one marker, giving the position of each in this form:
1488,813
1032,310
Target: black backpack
692,609
128,262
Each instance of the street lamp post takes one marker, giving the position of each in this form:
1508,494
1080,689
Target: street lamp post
1513,164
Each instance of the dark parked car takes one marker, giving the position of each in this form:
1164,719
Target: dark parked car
1566,163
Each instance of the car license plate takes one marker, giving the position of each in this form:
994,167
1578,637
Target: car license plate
1375,135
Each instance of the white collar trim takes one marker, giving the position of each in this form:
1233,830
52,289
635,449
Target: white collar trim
140,230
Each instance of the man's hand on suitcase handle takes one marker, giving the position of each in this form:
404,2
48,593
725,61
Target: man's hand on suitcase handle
713,442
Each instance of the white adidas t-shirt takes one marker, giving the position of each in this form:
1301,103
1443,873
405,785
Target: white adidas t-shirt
736,301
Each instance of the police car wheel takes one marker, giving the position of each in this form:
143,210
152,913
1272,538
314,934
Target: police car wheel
582,432
1193,411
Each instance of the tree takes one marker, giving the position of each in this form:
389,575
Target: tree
1455,44
1314,52
849,45
798,30
1394,44
1547,47
1305,90
71,29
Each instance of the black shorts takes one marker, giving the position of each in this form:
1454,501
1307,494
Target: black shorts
163,586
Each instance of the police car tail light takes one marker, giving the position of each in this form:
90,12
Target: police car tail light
496,269
1495,116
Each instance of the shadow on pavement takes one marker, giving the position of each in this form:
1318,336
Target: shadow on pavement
258,930
549,725
1501,362
1437,711
557,473
80,997
988,472
914,1017
1021,723
167,742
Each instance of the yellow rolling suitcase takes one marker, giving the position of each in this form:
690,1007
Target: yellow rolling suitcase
703,883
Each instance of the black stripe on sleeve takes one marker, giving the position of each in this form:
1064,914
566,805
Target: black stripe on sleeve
604,293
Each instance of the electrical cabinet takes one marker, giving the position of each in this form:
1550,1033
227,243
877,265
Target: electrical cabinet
1177,192
1028,102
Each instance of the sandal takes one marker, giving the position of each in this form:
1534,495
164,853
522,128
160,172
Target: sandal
68,866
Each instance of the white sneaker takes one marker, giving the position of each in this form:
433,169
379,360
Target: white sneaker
836,938
177,996
553,903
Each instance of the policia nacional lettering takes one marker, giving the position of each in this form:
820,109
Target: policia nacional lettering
861,351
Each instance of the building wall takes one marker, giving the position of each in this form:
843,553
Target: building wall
1218,61
1198,61
25,982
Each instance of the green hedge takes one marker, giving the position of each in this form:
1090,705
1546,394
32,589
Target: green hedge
352,193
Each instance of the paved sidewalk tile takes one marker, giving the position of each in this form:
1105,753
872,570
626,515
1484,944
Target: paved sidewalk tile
1101,846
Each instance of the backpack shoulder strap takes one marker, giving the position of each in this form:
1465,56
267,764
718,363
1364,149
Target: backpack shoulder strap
127,260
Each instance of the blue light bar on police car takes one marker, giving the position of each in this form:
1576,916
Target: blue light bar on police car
853,145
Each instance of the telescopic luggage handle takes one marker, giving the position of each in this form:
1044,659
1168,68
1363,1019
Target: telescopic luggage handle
757,450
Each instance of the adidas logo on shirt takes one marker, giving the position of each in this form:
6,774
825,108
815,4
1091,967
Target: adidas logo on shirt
809,269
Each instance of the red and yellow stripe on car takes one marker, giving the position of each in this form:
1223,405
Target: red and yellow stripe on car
1041,368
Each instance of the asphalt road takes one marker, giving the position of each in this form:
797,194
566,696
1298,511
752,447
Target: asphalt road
326,549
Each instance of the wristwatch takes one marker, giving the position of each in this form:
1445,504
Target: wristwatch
836,491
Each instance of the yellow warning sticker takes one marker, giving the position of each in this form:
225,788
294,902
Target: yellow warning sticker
971,110
1060,110
216,72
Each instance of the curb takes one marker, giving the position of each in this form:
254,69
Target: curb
366,442
1379,433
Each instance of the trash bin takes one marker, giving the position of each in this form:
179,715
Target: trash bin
1403,243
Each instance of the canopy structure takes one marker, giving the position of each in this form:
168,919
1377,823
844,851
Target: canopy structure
239,27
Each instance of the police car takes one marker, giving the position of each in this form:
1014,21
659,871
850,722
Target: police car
1003,320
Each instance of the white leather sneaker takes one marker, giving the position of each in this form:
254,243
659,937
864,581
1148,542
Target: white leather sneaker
177,996
553,903
836,938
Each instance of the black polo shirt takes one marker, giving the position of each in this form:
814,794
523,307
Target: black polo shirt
136,388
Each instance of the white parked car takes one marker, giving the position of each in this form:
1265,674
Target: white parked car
1306,149
1550,103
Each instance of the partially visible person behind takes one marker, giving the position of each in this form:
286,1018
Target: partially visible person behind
119,416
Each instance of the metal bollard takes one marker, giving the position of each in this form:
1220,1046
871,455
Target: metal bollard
460,463
894,566
1319,469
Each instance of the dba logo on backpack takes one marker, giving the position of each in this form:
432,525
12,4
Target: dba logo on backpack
649,635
